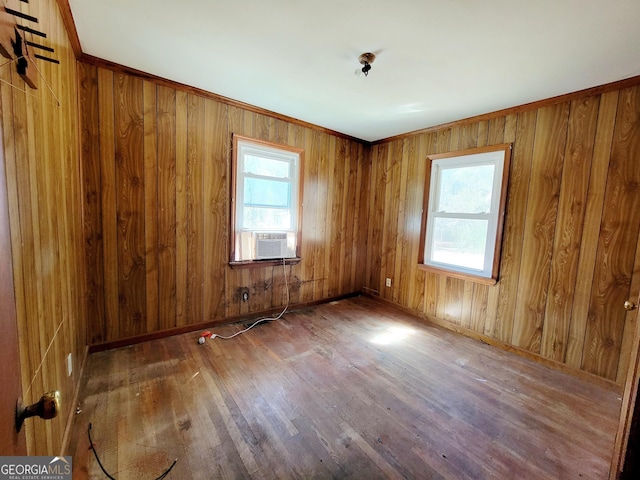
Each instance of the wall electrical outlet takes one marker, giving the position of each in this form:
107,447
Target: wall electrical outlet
69,364
388,282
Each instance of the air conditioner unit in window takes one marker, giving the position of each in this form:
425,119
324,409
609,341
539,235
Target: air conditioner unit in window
271,245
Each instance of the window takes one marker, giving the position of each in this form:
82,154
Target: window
266,202
464,211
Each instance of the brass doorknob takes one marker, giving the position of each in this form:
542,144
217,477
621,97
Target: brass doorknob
629,306
47,408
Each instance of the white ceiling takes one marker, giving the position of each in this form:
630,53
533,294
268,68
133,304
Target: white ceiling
438,60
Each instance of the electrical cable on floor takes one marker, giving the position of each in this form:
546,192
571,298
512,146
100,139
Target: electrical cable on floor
95,453
208,334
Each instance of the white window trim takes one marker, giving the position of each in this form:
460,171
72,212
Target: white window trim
244,146
499,156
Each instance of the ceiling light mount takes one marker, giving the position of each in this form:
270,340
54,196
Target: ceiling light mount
366,59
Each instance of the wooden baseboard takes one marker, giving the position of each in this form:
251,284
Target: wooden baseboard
603,382
72,410
125,342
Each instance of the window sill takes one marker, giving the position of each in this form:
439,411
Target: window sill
463,276
265,263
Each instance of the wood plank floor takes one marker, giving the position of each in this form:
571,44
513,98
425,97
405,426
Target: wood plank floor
350,389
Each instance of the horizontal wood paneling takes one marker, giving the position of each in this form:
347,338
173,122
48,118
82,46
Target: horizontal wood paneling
158,164
571,231
40,138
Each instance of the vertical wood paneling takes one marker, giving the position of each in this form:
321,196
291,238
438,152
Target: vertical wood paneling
468,136
361,218
465,312
162,177
349,207
569,225
540,223
376,211
483,133
405,261
151,204
591,230
108,197
570,238
166,206
418,277
27,108
496,130
399,278
41,152
332,212
215,173
494,292
296,137
195,238
390,233
337,243
479,306
129,153
360,265
617,242
450,298
181,208
90,148
236,277
323,203
512,247
309,210
18,211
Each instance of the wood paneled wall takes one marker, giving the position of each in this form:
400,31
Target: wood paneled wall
156,163
42,165
570,253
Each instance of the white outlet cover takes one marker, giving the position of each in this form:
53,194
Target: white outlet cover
388,282
69,364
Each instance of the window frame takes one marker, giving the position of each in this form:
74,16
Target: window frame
447,269
238,140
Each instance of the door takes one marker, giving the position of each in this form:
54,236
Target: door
626,463
11,443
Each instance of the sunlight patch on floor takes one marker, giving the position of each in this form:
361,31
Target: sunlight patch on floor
392,335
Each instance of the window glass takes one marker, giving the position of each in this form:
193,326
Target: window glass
266,199
266,167
463,213
466,189
460,242
266,219
268,193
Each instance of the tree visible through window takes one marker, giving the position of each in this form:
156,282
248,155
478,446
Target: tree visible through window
463,212
266,200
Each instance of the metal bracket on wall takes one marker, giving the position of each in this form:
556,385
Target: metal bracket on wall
14,46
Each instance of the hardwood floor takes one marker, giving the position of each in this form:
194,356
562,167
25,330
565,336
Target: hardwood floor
350,389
